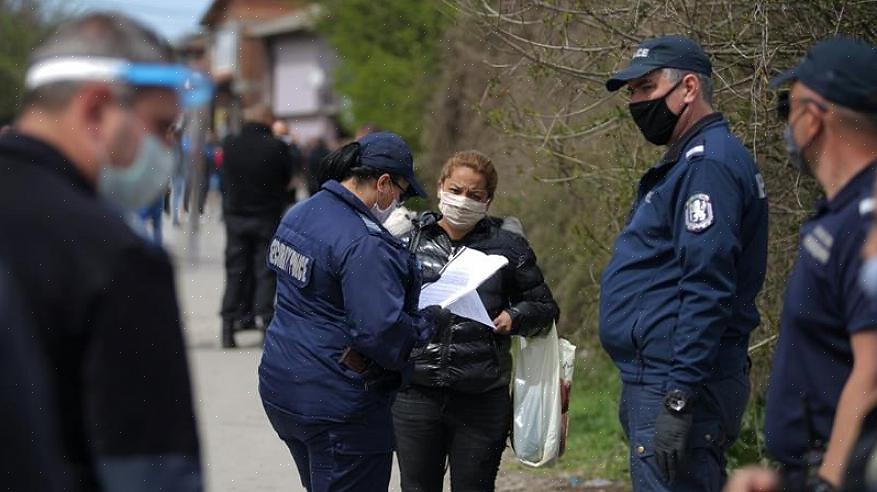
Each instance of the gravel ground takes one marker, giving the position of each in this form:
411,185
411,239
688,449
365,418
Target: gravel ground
514,478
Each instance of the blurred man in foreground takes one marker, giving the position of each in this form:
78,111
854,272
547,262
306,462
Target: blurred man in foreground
90,148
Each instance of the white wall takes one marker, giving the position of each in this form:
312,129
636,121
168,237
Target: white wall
301,72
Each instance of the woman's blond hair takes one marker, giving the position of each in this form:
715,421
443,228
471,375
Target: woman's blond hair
475,161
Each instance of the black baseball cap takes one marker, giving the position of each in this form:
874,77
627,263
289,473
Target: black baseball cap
386,151
664,52
841,70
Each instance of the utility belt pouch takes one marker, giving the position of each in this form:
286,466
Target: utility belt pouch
354,361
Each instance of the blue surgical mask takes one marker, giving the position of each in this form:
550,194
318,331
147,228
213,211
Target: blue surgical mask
868,277
139,184
796,155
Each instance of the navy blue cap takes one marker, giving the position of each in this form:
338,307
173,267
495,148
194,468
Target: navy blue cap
841,70
387,151
665,52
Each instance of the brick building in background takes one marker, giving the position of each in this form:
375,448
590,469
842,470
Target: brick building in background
267,52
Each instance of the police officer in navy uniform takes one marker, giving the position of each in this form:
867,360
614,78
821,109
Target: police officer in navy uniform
90,146
824,375
346,319
677,300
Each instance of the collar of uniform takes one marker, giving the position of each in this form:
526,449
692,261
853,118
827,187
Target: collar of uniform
28,149
864,180
337,189
675,151
256,127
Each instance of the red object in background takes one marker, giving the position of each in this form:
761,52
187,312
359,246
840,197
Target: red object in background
217,157
565,389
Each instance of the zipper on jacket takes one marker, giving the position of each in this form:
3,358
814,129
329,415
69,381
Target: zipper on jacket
444,363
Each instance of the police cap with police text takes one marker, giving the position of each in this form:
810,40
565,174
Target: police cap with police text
386,151
665,52
841,70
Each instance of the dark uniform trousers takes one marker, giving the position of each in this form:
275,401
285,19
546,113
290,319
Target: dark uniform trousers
336,456
717,417
249,283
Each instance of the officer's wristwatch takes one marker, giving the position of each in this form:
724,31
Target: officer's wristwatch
676,401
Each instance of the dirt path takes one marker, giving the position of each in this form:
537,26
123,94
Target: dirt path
514,478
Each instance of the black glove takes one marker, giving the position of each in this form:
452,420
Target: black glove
816,483
671,437
439,316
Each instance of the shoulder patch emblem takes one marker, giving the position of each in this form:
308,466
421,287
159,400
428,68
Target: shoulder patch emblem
698,212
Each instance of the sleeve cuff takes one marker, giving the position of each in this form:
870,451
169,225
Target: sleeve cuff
689,390
515,315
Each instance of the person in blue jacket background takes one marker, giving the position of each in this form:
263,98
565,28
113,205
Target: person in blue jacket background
677,300
346,318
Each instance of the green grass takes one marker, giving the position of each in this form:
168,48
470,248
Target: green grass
595,445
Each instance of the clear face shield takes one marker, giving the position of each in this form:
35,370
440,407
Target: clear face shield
193,88
194,94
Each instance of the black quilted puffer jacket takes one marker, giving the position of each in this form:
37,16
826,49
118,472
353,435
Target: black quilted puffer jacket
468,356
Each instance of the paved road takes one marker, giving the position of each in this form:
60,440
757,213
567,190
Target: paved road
240,450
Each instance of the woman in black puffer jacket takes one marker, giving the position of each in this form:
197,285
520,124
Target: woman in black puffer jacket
457,409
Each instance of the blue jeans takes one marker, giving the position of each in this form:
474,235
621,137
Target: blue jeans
337,457
152,214
178,193
717,417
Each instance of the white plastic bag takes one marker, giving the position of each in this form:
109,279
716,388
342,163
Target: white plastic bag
537,403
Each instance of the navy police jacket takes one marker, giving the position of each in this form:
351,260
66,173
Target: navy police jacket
823,308
677,299
342,281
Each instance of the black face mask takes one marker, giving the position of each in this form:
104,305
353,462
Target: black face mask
654,118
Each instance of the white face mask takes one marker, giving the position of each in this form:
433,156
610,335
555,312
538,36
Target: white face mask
460,211
139,184
382,214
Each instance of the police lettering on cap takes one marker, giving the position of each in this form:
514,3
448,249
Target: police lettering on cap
387,151
839,69
665,52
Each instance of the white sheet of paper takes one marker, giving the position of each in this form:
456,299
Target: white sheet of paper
462,275
470,306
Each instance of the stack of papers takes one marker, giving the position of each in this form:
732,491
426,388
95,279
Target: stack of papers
455,290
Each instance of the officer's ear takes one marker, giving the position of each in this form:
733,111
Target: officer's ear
383,181
813,118
92,104
692,88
